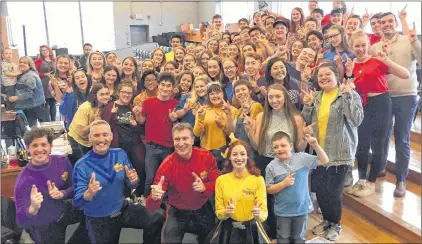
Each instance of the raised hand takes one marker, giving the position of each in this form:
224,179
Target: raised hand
93,187
309,129
219,120
306,74
289,180
402,14
198,185
114,109
347,85
173,115
386,46
248,123
350,65
230,208
226,108
53,191
308,97
412,34
256,210
137,109
36,200
311,140
338,59
200,111
263,90
382,56
157,190
132,175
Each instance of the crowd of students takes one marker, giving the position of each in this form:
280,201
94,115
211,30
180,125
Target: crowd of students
231,129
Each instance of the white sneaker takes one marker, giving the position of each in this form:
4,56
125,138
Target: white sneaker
333,232
321,228
357,186
367,189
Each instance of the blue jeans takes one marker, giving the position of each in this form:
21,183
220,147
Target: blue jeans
292,229
154,155
373,133
404,109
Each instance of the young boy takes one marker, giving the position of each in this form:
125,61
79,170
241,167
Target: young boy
158,115
287,178
9,72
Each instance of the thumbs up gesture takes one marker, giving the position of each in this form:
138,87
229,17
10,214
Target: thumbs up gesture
229,209
54,192
197,185
289,180
132,175
172,115
114,109
256,210
93,187
157,190
36,200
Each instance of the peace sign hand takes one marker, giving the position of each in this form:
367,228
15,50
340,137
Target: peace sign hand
198,185
230,208
226,108
308,97
311,140
53,191
219,120
350,65
200,111
402,14
248,123
306,74
309,129
347,86
412,34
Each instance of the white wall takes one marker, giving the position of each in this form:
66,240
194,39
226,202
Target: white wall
205,11
173,15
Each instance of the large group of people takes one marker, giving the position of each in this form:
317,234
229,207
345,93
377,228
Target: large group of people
218,138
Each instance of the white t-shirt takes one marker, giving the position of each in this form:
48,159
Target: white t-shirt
8,67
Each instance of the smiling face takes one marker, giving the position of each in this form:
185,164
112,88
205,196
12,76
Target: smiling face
213,68
242,93
282,148
310,26
165,88
40,150
257,18
223,48
128,67
96,61
183,141
360,47
278,71
216,97
158,57
45,52
280,31
315,43
110,77
103,96
376,26
297,48
336,18
186,82
151,82
306,57
269,24
197,71
312,5
252,66
247,49
179,54
125,95
233,52
199,49
276,99
100,136
204,60
212,46
23,65
111,58
200,88
388,24
189,62
63,65
81,81
296,16
229,69
334,37
147,65
326,79
351,25
239,158
255,35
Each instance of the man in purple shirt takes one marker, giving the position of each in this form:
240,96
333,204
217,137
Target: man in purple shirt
42,191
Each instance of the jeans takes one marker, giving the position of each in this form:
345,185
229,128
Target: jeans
292,229
373,133
404,109
137,158
9,91
329,185
154,155
78,151
56,231
35,114
50,108
107,229
200,222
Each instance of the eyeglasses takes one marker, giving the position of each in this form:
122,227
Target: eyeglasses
229,68
333,36
126,93
152,80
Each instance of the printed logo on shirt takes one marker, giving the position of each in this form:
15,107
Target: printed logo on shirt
65,176
203,175
247,192
117,167
124,118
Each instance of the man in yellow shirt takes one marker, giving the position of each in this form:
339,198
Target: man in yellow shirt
176,41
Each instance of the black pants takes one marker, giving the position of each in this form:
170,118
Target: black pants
136,154
107,229
78,151
35,114
9,91
50,108
178,222
373,133
261,163
56,231
329,186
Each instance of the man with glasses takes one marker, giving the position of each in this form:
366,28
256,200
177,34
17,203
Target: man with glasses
188,177
98,180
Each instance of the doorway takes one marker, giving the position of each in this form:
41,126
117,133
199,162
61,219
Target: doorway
139,34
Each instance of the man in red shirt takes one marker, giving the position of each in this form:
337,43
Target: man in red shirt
188,176
376,34
158,115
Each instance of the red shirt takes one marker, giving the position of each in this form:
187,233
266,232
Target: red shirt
178,180
158,124
326,20
370,77
373,39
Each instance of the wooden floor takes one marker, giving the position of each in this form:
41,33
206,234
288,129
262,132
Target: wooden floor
355,229
401,216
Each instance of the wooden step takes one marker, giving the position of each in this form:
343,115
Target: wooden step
415,166
400,216
355,229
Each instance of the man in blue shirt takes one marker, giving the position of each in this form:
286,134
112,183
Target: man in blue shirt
98,180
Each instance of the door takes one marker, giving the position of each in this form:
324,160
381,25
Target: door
138,34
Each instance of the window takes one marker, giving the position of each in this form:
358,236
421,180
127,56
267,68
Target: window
30,14
64,25
413,14
233,11
98,25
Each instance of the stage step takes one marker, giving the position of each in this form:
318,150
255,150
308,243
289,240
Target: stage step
400,216
355,229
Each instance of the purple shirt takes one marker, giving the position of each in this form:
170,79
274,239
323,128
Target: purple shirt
59,171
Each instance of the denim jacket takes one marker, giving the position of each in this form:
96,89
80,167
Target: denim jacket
346,114
29,90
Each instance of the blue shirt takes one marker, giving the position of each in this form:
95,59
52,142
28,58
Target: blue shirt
110,173
189,117
329,55
293,200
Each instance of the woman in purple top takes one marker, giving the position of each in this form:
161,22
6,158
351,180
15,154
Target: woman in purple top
41,192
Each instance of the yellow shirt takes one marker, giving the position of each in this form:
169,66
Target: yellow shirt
170,56
84,116
243,191
138,100
255,109
324,114
212,136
